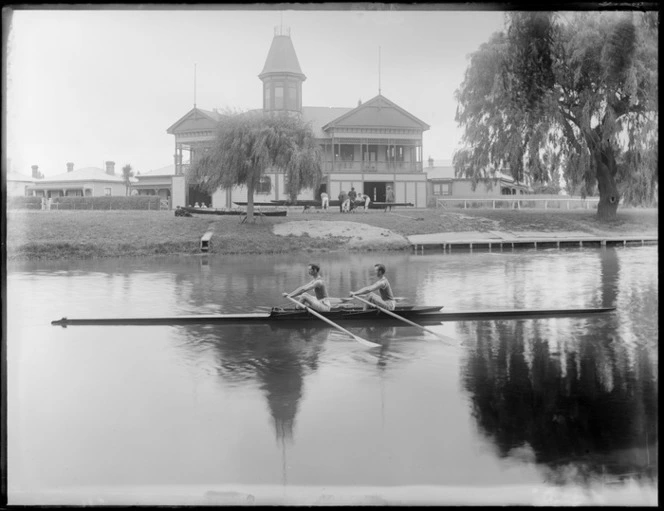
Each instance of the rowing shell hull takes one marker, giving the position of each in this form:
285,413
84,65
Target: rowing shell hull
198,211
421,315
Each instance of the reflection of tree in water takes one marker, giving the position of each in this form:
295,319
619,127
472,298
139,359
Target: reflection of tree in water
277,359
584,408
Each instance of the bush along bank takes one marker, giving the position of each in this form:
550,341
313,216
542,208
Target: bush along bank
135,202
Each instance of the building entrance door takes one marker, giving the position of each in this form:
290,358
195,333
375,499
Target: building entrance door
376,190
197,195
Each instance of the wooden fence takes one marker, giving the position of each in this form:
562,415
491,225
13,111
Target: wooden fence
519,203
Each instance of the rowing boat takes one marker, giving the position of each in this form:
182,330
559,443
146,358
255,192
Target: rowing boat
317,204
209,211
429,315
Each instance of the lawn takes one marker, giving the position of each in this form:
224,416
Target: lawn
74,234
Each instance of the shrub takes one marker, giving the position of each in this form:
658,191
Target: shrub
101,203
23,202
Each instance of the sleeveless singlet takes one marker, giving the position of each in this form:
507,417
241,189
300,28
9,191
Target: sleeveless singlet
385,290
320,289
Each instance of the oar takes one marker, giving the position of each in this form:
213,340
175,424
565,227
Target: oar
332,323
440,336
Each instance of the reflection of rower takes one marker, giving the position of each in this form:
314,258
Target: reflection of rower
320,302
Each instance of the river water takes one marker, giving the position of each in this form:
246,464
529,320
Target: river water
556,410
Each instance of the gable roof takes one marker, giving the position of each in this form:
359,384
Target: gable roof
282,58
319,116
195,119
84,174
378,112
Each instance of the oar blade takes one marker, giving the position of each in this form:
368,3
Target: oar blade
359,339
366,343
390,313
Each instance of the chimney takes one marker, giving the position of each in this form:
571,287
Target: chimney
70,167
430,161
359,102
110,168
35,172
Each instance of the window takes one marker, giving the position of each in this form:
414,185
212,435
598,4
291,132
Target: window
265,185
107,192
266,91
279,97
442,189
291,101
347,152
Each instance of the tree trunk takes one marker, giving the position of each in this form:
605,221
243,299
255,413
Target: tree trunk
606,182
250,201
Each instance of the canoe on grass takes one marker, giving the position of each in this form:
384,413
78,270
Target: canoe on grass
209,211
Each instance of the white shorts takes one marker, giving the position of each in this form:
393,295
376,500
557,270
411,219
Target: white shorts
386,304
319,305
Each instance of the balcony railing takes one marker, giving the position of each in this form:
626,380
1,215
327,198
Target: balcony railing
372,166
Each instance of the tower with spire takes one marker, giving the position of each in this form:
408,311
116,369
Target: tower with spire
281,76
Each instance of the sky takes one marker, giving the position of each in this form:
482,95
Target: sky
88,86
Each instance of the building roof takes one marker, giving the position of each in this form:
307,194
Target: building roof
319,116
84,174
168,170
282,58
17,176
440,172
378,112
446,171
195,119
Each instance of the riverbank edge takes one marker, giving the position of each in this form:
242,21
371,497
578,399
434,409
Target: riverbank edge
39,236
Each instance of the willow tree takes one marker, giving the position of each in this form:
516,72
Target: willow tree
574,93
249,144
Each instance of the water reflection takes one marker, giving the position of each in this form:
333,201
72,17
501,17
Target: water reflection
581,406
559,400
278,358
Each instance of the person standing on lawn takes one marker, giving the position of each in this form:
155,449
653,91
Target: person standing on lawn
389,198
352,195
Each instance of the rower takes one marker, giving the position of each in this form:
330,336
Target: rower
382,285
320,302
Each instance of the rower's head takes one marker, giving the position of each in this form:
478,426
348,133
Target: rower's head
379,269
314,269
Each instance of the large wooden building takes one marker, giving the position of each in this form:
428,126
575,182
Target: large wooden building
368,147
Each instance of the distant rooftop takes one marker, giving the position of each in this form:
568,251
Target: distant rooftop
168,170
17,176
84,174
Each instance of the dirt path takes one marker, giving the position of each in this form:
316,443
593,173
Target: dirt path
358,234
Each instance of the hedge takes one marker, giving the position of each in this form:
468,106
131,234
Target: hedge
23,202
95,203
100,203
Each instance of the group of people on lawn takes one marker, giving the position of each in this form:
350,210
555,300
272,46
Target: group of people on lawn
348,202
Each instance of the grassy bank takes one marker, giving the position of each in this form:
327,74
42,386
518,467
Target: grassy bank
84,234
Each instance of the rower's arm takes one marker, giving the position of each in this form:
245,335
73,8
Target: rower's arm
300,290
366,289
